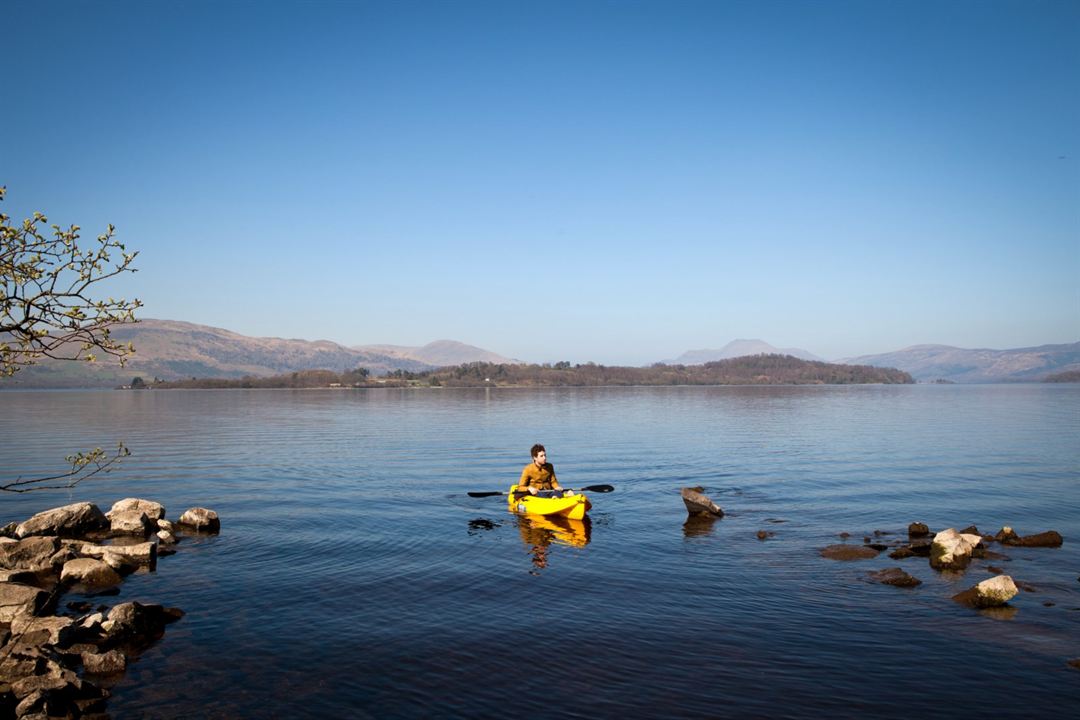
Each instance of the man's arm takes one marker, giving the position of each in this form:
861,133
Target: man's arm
523,483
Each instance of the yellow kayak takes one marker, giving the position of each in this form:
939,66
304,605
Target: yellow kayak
574,507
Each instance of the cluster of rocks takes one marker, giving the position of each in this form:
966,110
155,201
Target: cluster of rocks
61,663
948,550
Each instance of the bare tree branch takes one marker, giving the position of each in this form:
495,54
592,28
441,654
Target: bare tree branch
83,466
46,311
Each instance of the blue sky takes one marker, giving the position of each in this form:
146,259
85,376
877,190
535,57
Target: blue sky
607,181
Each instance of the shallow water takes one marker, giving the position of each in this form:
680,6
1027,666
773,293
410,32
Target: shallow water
355,578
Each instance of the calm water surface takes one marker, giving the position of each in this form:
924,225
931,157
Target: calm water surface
354,578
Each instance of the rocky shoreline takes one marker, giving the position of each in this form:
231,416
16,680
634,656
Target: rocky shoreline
60,661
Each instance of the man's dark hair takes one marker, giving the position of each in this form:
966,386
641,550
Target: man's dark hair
537,449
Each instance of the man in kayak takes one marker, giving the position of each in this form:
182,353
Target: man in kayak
538,477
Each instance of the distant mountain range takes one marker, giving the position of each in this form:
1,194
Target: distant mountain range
738,348
173,350
441,353
928,363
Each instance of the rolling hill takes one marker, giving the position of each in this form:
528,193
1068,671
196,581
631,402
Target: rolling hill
928,363
441,353
171,350
738,348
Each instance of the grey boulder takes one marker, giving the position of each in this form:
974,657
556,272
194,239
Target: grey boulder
67,521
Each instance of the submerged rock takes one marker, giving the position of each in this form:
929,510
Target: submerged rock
894,576
848,552
1050,538
765,534
700,504
112,661
133,621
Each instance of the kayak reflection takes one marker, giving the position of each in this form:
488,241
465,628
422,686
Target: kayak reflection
540,532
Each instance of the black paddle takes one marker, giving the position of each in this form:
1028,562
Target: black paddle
587,488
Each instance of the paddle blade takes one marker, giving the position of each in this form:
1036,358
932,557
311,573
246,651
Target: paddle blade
485,494
598,488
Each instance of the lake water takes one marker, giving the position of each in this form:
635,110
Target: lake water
354,577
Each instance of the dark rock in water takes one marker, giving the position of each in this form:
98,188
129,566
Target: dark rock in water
699,504
880,547
1075,664
970,530
765,534
133,621
1050,538
775,521
894,576
922,549
1025,586
918,529
1006,533
848,552
995,569
1048,603
844,535
879,533
112,661
904,551
480,524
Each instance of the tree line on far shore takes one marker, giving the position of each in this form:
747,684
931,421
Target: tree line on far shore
748,370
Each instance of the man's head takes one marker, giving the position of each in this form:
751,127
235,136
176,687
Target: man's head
539,454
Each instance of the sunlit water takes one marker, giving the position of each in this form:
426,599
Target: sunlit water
354,577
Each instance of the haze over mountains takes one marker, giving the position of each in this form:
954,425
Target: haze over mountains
172,350
739,348
942,362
